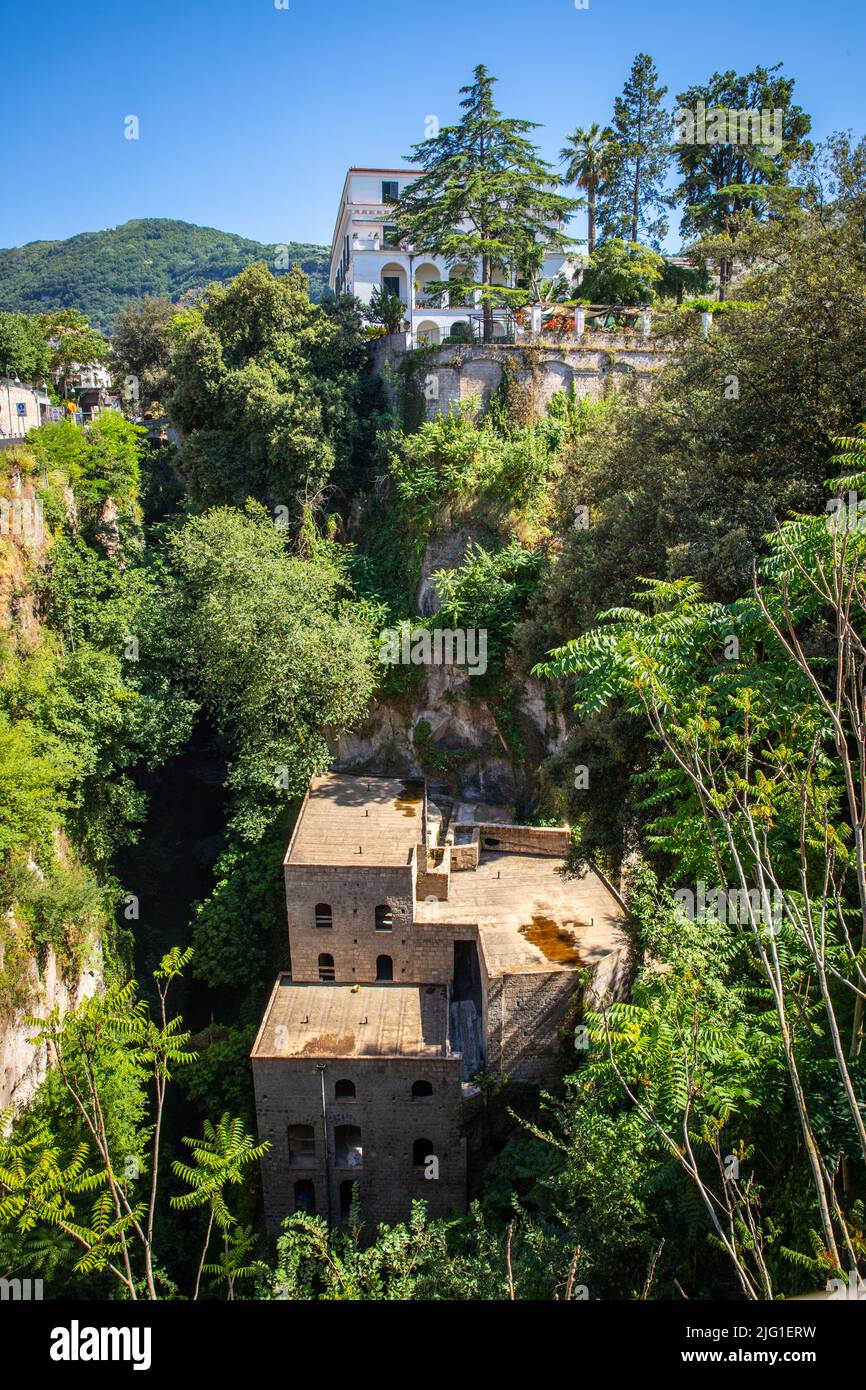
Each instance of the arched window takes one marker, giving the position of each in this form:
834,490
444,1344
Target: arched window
302,1146
384,968
349,1152
344,1090
326,967
422,1149
305,1196
346,1194
420,1089
425,275
323,915
384,918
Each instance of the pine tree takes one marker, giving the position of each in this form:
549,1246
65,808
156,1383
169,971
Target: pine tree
485,195
724,180
633,201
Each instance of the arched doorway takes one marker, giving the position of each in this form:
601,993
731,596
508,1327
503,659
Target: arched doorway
393,280
426,274
428,332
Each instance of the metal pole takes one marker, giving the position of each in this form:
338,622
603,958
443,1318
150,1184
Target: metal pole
320,1066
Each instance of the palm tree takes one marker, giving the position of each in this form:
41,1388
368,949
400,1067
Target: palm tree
587,155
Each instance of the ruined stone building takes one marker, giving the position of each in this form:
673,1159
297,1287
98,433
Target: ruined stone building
415,965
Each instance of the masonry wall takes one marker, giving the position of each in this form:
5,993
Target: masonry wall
434,950
524,1016
591,366
526,839
289,1091
353,896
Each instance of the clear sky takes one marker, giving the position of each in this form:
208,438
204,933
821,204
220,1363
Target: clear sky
249,114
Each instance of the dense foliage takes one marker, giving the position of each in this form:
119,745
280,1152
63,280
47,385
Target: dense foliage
101,273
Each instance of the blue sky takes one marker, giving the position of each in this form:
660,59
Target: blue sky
249,115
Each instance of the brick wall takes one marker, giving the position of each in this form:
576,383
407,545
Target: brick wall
353,896
524,1016
289,1091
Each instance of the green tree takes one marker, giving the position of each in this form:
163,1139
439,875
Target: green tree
71,1178
275,648
386,309
484,196
267,392
35,770
764,762
588,155
142,350
724,181
219,1160
633,198
72,341
23,350
622,272
690,479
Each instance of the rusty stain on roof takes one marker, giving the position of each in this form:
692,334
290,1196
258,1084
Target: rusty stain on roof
554,939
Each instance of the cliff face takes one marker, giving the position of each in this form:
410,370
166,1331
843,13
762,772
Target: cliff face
22,1064
31,983
448,730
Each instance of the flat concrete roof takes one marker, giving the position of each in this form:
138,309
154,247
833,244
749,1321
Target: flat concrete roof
529,916
362,822
330,1020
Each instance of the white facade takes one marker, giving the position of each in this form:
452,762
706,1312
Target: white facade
22,408
364,256
92,376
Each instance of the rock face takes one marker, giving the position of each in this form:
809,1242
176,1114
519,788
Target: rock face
23,1066
443,552
445,729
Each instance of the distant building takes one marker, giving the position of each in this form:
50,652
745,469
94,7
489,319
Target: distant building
365,256
415,965
22,408
90,385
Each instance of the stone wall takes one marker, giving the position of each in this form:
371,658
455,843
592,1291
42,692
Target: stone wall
353,941
289,1091
526,839
591,366
523,1018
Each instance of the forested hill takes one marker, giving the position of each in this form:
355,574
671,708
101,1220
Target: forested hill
100,272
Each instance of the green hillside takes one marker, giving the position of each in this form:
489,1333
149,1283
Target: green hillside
100,272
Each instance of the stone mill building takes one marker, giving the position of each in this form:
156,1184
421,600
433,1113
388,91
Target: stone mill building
421,955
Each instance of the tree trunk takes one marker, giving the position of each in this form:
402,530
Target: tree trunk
487,307
635,200
590,241
724,277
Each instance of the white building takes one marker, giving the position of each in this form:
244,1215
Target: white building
90,376
365,255
22,408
